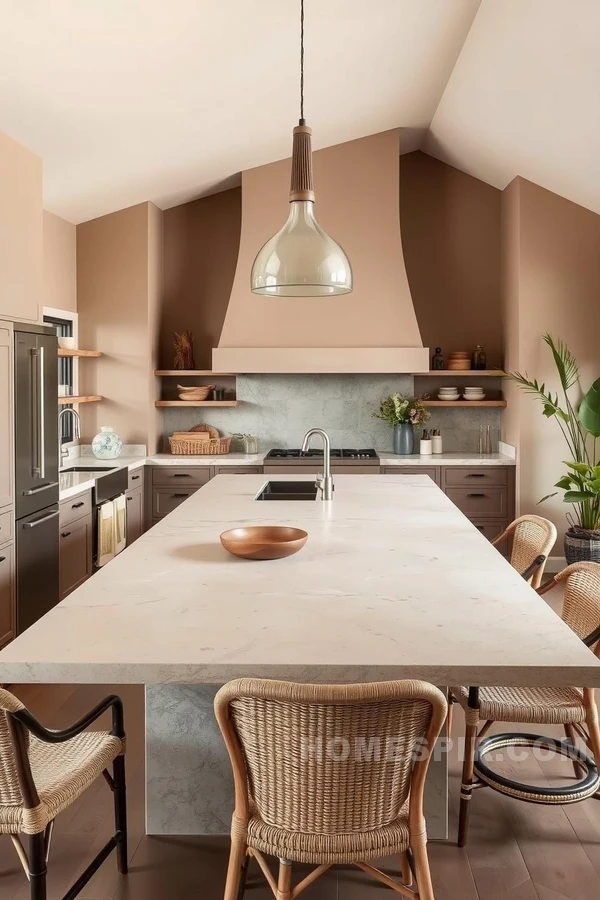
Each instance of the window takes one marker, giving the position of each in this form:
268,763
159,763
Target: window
66,371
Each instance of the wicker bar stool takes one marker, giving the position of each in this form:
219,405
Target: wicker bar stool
532,536
572,707
43,772
324,775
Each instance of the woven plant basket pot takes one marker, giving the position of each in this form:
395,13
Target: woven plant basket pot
582,546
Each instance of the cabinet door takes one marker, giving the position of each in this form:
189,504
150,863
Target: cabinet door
75,555
165,499
135,514
6,416
7,593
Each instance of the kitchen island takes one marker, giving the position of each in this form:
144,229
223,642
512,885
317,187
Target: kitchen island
394,582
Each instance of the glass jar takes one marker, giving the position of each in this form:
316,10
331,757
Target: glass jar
250,444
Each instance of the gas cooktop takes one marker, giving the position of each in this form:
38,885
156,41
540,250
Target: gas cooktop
317,453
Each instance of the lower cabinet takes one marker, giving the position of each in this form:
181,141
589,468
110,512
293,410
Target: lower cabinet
75,546
7,593
135,514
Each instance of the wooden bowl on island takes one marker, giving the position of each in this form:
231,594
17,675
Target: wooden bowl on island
264,541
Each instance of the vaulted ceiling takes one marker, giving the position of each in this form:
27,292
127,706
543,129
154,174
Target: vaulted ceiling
133,100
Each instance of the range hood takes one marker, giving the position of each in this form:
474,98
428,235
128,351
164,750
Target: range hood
373,329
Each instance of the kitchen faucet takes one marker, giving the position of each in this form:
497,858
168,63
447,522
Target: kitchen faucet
62,451
324,481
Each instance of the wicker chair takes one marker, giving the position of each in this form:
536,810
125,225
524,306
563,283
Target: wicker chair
573,708
324,775
42,772
532,536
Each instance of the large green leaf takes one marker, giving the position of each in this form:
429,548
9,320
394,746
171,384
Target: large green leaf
566,364
589,410
577,467
578,496
565,482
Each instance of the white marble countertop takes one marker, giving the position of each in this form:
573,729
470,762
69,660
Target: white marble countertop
393,582
447,459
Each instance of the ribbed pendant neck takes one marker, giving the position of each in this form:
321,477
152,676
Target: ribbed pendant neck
301,185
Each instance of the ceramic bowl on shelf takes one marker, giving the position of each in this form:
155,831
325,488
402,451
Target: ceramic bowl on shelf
448,396
264,541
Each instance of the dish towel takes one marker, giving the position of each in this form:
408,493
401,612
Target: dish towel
120,505
106,533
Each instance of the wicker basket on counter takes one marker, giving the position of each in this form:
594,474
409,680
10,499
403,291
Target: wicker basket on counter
187,444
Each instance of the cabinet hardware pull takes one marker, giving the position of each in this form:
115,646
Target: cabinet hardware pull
134,477
65,534
182,475
2,558
476,475
40,521
179,495
77,505
129,498
475,495
480,527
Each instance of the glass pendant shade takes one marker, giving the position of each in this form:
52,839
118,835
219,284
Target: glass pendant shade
301,260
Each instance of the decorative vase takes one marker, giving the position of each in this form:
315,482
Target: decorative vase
404,439
107,444
582,546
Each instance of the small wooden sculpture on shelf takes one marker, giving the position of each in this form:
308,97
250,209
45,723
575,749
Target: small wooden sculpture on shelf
184,350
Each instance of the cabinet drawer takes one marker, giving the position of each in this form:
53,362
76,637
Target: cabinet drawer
480,501
476,476
75,560
75,508
135,478
432,471
166,499
490,528
7,593
177,475
238,470
6,527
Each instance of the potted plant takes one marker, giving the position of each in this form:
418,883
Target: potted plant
580,426
402,413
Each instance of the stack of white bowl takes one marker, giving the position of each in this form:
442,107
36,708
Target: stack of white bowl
448,393
473,393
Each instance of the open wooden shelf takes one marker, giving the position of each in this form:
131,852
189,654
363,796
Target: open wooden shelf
464,403
197,403
191,373
462,373
90,398
80,354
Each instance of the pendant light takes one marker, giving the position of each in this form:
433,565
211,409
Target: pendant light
301,260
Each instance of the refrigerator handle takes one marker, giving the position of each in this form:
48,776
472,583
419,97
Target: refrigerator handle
41,416
42,487
40,521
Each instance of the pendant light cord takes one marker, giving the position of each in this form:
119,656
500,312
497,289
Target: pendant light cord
302,119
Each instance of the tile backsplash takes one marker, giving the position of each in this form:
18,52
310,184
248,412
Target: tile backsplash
279,409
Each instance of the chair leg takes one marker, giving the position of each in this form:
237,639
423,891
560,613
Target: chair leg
284,882
37,866
406,869
591,720
243,877
466,788
237,861
120,801
423,873
571,736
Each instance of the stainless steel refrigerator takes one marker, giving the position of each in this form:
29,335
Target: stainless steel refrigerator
36,472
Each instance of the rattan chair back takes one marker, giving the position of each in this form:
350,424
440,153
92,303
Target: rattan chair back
532,536
10,790
328,759
581,603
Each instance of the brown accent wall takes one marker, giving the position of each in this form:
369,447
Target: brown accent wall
450,226
60,263
557,263
201,242
118,281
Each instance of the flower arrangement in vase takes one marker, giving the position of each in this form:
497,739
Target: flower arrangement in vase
403,414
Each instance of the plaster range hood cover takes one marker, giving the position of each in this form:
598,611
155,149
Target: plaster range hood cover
372,330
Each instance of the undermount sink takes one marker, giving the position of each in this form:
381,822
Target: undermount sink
288,490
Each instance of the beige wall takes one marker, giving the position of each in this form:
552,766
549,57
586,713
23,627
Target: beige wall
60,263
20,231
201,242
118,278
558,265
451,238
